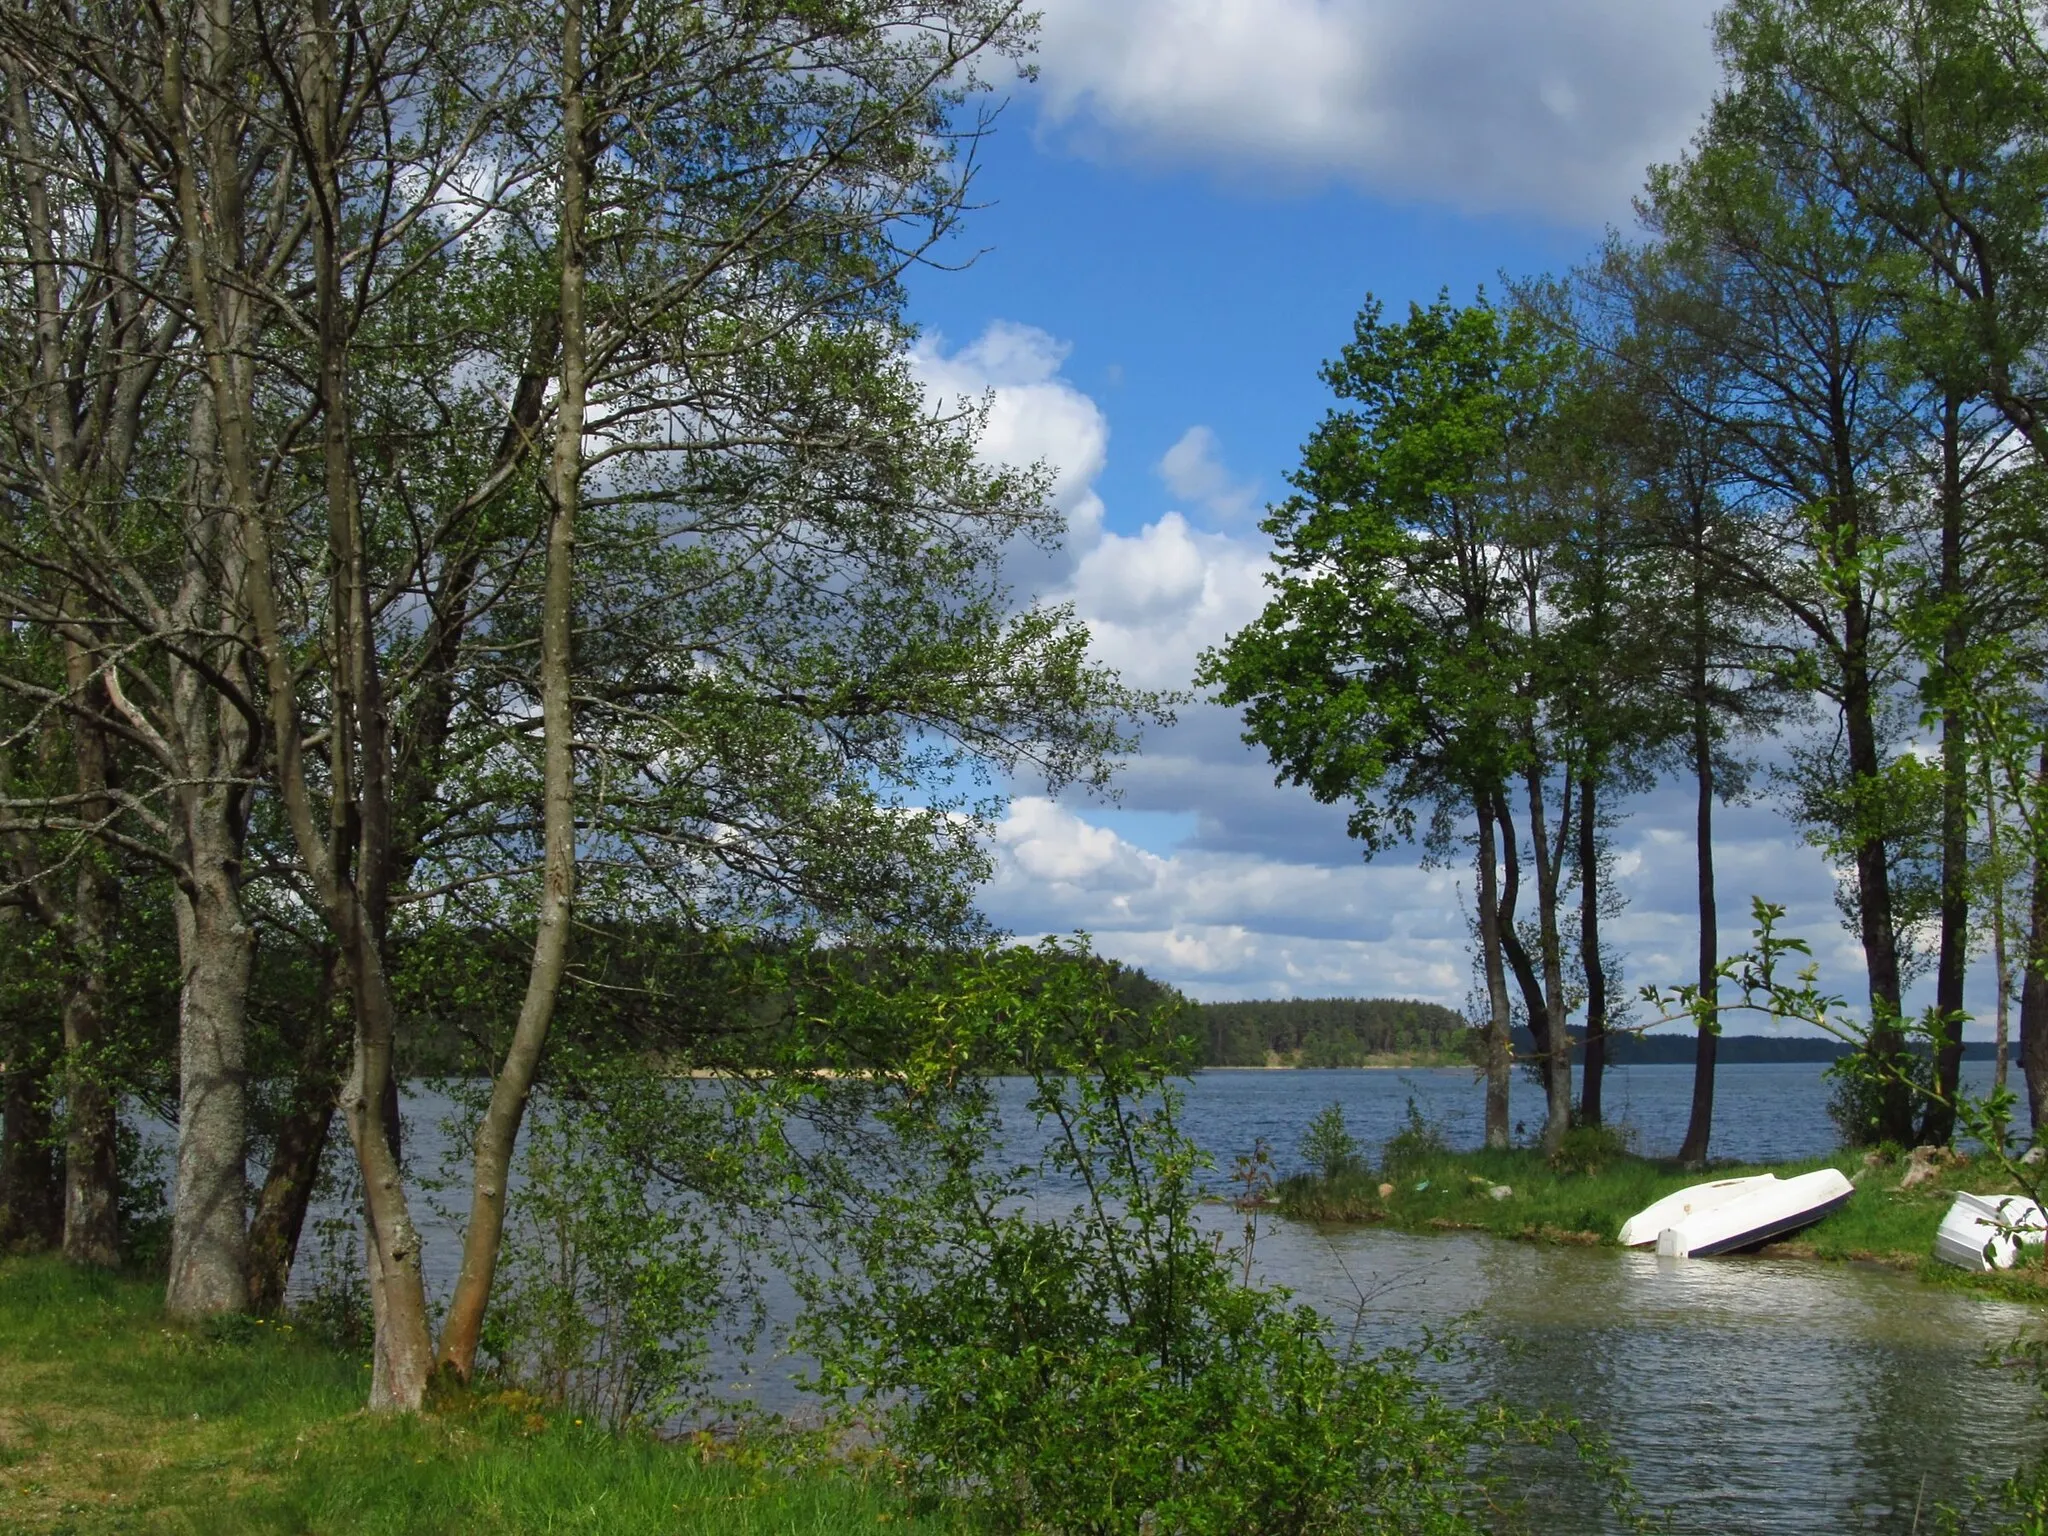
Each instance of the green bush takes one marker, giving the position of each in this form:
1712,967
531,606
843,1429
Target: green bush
1416,1148
1586,1149
1328,1147
1108,1366
608,1286
1858,1082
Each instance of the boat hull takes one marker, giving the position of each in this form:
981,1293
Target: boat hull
1643,1227
1971,1235
1761,1216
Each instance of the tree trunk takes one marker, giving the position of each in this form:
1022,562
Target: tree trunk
1894,1122
1699,1128
1589,949
92,1217
295,1158
1555,1041
209,1223
2034,986
1512,947
1499,1027
1938,1124
1993,812
31,1195
499,1131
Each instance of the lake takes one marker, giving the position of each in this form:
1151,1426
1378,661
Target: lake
1747,1395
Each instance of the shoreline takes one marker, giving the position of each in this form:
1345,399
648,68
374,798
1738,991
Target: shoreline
1439,1190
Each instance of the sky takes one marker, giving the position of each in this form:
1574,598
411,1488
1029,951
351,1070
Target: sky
1184,213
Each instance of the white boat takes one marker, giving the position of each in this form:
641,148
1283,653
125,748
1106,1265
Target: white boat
1985,1231
1644,1226
1756,1216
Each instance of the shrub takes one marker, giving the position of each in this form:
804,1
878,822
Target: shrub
1586,1149
607,1284
1858,1081
1328,1147
1110,1368
1415,1148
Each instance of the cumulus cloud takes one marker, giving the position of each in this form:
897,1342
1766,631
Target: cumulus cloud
1229,925
1482,104
1193,469
1267,896
1034,415
1153,600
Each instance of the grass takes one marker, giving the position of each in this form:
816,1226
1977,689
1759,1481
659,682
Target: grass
1588,1198
114,1420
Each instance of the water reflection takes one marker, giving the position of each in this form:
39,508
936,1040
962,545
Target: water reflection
1746,1394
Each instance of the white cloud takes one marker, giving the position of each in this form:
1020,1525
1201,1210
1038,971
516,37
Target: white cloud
1555,107
1193,469
1034,415
1154,599
1269,897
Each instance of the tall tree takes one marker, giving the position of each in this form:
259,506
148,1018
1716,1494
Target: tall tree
1813,415
1387,668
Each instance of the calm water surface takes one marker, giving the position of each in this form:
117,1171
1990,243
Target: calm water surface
1747,1395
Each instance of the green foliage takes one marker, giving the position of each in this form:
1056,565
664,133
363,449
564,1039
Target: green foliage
1107,1367
1328,1147
1586,1149
1418,1146
1861,1085
1384,672
608,1285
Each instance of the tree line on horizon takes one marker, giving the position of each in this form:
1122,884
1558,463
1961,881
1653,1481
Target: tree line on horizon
1324,1031
1750,500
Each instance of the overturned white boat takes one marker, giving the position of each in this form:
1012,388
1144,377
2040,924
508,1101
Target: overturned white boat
1770,1208
1644,1226
1983,1232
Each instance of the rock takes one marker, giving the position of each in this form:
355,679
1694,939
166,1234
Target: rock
1875,1159
1500,1192
1921,1166
2034,1156
1386,1190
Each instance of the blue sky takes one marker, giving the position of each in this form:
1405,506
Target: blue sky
1186,211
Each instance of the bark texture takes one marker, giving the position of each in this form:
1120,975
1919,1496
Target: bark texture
1590,1108
301,1141
1699,1129
209,1223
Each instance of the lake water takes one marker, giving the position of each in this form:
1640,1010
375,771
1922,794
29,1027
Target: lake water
1747,1395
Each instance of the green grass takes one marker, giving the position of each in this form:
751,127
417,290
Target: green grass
1445,1190
114,1420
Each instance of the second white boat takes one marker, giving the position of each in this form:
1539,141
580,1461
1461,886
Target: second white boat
1983,1232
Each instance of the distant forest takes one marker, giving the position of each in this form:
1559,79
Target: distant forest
1356,1031
1326,1031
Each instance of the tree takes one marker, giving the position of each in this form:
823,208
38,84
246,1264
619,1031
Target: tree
691,660
1814,411
1386,669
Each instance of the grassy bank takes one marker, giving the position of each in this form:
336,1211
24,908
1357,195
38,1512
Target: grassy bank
1585,1200
114,1420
